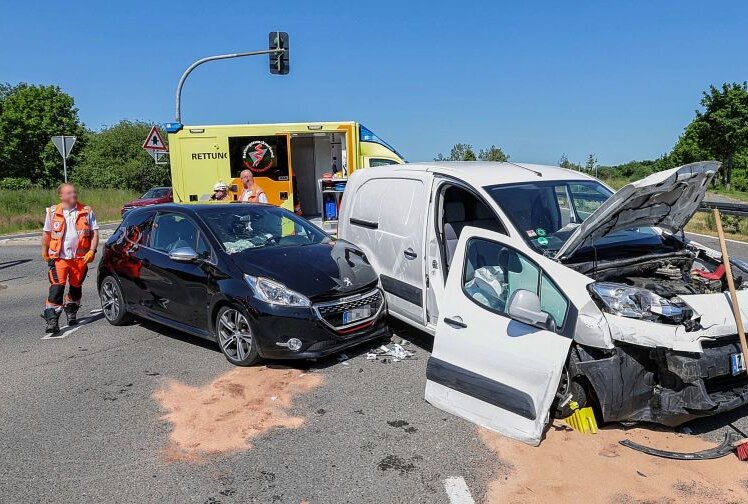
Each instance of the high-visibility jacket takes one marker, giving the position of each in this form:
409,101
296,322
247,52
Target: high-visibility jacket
82,226
255,191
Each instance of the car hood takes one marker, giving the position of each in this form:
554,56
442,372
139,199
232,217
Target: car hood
666,199
320,271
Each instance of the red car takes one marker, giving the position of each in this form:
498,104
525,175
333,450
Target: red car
154,196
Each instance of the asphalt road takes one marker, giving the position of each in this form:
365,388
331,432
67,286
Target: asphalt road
79,422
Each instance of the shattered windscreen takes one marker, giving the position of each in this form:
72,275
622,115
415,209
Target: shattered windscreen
242,227
547,213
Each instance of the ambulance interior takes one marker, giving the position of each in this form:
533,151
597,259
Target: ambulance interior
312,155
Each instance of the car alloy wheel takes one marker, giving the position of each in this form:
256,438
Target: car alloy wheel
235,337
112,302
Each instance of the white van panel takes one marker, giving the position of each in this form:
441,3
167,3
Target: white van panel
386,219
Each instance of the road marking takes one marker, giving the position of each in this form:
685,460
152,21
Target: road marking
68,330
457,490
716,238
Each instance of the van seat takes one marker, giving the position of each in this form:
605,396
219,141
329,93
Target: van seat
454,221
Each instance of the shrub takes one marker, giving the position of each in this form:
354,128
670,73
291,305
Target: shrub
16,183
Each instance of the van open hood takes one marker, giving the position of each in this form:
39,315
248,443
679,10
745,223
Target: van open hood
667,199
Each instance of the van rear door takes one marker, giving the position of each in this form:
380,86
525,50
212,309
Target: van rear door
386,219
486,366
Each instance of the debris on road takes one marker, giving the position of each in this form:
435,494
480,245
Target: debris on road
393,350
726,447
564,455
225,414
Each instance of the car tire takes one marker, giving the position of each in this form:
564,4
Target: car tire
113,303
234,336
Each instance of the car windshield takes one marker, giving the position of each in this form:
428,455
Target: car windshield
156,192
547,213
240,227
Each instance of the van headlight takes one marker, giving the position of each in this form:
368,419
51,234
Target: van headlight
275,293
635,302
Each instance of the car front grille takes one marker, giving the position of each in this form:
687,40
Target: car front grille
332,312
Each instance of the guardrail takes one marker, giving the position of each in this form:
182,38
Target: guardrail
739,209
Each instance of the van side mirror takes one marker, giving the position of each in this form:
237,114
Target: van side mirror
184,254
524,306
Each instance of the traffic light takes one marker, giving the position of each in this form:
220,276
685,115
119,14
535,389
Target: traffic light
278,60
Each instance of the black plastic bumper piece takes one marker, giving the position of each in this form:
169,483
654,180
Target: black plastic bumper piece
664,386
724,448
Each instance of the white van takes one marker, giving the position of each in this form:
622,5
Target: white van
542,285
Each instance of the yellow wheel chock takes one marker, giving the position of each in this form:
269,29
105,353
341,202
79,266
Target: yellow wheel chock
582,420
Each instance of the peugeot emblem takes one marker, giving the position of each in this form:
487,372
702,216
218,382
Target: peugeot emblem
347,281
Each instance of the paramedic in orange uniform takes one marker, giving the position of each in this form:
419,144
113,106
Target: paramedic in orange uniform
69,243
252,192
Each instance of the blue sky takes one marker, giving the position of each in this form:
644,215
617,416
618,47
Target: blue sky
618,79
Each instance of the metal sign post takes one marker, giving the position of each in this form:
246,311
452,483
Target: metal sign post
64,145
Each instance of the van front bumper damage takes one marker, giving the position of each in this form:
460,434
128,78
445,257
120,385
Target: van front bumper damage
637,383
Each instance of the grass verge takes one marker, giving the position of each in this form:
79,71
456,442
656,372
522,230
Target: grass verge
24,210
736,228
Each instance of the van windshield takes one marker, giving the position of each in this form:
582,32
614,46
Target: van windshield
547,213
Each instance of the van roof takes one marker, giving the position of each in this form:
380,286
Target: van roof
485,173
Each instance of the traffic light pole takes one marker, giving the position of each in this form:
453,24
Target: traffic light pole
178,112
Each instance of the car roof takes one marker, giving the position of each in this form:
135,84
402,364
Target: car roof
485,173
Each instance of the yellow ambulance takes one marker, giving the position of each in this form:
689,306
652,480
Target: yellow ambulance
301,166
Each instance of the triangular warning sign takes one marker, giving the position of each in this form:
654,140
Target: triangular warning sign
154,141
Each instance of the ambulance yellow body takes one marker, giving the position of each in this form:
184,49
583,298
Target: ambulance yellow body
287,160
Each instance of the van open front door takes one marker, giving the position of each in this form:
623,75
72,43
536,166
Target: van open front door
498,370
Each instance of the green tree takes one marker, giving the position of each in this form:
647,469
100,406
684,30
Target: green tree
591,163
469,155
461,152
492,153
114,157
565,163
688,148
465,152
29,116
722,128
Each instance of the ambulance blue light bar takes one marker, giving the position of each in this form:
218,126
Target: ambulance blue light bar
173,127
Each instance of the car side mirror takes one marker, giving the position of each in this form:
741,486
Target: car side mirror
524,306
184,254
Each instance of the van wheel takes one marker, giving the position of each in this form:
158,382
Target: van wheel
235,337
113,302
578,393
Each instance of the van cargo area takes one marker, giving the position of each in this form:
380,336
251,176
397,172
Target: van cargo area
314,155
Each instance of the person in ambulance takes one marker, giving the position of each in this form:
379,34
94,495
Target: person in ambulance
252,192
69,242
220,191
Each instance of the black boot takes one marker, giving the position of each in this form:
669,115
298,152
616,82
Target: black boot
71,312
51,315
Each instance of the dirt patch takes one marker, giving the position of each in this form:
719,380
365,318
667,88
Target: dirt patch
224,415
569,466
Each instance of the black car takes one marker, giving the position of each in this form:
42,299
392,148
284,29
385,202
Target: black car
256,278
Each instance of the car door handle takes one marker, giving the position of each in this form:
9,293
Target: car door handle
455,322
409,254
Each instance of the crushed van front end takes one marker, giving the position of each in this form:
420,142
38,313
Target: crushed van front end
655,384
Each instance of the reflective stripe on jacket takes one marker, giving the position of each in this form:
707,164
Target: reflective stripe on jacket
82,226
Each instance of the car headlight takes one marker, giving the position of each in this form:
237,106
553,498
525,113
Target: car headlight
275,293
635,302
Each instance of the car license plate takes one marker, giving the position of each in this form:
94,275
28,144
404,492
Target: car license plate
355,314
737,363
